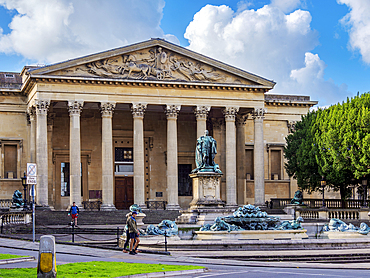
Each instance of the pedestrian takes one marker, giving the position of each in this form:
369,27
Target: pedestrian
127,242
74,211
133,233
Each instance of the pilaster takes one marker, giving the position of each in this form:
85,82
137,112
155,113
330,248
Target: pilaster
259,146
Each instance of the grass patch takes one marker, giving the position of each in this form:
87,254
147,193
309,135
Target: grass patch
98,269
8,256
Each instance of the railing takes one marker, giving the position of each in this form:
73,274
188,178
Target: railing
344,214
309,214
5,204
326,214
317,203
15,218
91,205
156,204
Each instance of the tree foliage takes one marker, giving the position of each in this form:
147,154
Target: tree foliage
332,142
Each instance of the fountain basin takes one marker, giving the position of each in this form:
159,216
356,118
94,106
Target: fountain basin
251,234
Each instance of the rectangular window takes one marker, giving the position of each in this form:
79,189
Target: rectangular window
249,164
185,183
65,179
10,161
64,182
276,164
124,155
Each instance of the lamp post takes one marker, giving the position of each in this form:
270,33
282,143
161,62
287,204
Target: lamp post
323,184
364,187
24,183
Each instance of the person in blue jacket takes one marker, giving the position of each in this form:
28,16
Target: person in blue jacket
74,211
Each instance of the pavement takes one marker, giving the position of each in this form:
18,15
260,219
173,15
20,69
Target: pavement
204,258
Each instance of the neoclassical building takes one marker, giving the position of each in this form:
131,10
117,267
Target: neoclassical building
121,126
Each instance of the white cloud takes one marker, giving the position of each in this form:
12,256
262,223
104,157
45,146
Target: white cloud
358,23
286,5
267,42
49,31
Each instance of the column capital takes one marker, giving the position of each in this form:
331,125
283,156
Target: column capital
107,109
201,111
75,107
31,112
172,110
259,113
291,126
138,110
230,113
42,106
240,120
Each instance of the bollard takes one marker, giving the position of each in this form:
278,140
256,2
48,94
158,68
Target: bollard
73,232
47,265
117,236
165,240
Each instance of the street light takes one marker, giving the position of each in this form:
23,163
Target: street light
364,187
323,184
24,183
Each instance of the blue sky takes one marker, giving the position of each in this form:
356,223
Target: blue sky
308,47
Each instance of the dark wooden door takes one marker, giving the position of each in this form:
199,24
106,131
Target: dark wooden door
124,192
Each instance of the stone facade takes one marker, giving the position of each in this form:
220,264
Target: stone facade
121,126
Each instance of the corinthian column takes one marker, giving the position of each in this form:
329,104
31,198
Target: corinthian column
230,114
240,158
259,146
172,175
42,107
75,108
107,109
201,113
138,110
32,113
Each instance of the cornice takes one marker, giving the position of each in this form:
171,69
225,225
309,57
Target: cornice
35,79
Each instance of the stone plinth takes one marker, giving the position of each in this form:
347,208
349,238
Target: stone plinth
206,204
206,190
252,234
292,208
139,220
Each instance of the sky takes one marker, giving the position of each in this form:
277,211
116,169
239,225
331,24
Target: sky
319,48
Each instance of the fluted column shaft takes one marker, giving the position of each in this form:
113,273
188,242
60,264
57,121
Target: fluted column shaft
42,107
230,114
138,111
107,109
75,108
172,171
201,113
259,171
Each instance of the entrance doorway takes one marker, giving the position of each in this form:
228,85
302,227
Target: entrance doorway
124,192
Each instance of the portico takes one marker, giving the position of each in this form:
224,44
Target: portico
120,126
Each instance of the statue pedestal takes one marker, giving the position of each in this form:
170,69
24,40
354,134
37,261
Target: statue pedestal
206,204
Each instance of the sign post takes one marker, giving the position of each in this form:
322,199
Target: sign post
32,179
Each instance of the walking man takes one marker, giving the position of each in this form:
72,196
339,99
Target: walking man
133,233
74,211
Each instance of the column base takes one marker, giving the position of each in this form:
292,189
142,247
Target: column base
107,207
173,207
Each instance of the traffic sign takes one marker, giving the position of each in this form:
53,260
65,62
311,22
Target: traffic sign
31,170
31,180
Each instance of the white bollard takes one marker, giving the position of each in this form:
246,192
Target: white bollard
47,265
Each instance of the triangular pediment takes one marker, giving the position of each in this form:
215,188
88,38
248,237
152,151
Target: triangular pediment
153,60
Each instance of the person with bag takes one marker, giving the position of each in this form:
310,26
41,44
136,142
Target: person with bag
133,233
127,242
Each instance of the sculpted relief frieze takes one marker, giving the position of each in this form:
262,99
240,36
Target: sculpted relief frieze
153,64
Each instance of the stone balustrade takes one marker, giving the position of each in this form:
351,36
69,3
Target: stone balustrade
5,204
20,217
327,214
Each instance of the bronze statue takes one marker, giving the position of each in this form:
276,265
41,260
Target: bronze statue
298,198
205,153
